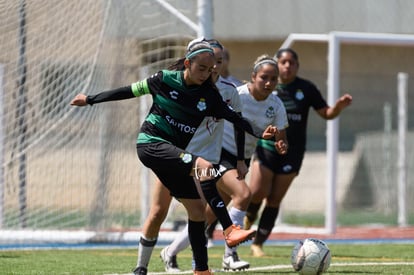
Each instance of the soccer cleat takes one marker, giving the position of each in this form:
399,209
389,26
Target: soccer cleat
234,236
247,223
233,263
205,272
257,250
140,270
170,263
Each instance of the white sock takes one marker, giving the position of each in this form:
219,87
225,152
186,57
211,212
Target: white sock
180,243
237,216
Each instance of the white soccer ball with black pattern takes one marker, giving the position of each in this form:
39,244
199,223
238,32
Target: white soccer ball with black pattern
311,257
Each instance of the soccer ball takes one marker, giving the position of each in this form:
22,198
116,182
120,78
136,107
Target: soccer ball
311,257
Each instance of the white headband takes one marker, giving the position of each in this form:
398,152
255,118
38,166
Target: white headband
193,42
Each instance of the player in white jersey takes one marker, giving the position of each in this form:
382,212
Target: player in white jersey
261,113
210,132
261,107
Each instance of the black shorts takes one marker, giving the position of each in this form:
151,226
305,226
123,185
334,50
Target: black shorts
280,164
228,161
172,166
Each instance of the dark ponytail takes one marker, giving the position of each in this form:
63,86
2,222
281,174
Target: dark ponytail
178,65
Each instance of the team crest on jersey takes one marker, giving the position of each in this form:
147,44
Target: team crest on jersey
201,105
299,95
270,112
186,157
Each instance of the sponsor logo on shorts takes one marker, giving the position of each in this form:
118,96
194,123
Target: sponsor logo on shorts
186,157
220,204
287,168
222,168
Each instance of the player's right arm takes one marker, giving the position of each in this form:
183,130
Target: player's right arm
117,94
136,89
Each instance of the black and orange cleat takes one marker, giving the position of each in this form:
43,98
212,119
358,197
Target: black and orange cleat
234,235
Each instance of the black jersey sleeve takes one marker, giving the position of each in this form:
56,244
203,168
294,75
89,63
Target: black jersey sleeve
111,95
316,98
240,141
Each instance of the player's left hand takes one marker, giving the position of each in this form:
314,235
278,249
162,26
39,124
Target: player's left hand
344,101
270,132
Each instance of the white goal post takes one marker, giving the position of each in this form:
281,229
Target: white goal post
334,40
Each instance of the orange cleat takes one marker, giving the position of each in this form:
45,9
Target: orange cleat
234,236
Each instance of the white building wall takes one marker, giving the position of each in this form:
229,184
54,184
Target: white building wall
275,19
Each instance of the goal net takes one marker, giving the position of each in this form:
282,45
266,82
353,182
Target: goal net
369,181
67,168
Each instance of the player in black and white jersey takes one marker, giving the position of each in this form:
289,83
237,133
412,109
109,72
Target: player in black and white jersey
181,100
206,143
232,187
272,173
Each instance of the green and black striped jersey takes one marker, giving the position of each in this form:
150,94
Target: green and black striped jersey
177,109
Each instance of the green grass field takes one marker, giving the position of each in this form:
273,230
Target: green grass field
346,259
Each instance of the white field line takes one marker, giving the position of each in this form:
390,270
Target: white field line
276,267
373,263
